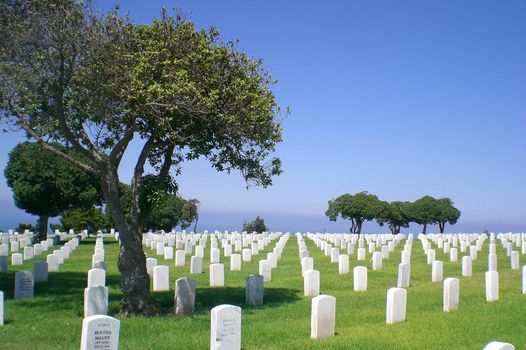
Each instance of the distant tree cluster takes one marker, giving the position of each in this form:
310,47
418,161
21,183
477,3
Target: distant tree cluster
258,225
363,207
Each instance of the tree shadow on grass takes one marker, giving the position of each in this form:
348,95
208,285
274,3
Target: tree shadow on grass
207,298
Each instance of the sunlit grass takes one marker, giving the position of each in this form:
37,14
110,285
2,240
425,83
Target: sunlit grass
53,319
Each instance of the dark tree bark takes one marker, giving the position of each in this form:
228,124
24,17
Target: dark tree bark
135,281
424,227
441,226
42,227
359,226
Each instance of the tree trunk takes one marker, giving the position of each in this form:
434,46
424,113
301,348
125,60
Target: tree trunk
441,226
392,228
359,227
42,227
424,229
135,281
195,225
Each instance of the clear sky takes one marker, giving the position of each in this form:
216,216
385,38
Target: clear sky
398,98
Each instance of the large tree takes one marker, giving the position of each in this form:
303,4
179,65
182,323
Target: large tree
44,184
424,211
90,219
190,213
395,215
97,82
358,208
446,213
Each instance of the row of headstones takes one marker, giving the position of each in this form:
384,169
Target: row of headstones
25,280
161,273
102,332
96,294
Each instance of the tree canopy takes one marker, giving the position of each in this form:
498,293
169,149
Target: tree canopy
98,81
46,185
365,207
358,208
257,225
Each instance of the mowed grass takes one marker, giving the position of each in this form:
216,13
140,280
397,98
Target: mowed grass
53,319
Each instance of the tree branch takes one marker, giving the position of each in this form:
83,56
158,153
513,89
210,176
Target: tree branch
119,149
137,179
52,149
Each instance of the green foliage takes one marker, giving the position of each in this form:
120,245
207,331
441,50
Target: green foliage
395,215
447,213
167,214
190,213
91,219
22,227
258,225
44,184
358,208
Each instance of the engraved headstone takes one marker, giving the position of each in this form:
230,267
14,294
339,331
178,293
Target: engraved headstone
343,264
99,265
100,332
225,328
180,258
265,270
184,300
466,266
437,271
24,284
52,263
235,262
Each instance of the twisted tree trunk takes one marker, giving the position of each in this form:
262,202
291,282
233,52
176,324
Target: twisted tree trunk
135,281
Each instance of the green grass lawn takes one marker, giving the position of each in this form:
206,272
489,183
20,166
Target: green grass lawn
53,319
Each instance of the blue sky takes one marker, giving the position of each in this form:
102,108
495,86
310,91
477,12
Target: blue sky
401,99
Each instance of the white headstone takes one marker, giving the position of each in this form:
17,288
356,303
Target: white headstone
52,263
100,332
431,256
361,254
235,262
492,262
396,305
437,271
377,261
225,328
161,278
150,264
196,264
265,270
95,301
343,264
311,283
217,275
168,253
451,294
214,255
247,255
497,345
24,284
307,263
466,266
514,260
96,278
360,278
28,253
404,275
180,258
492,286
524,279
453,254
323,316
17,259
